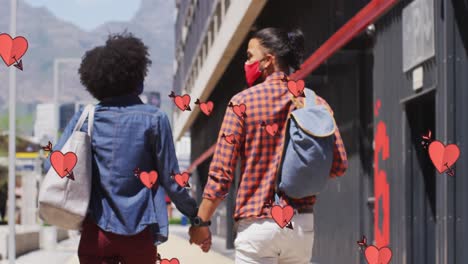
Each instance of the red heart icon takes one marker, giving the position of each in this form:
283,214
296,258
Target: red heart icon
231,139
63,164
172,261
282,215
239,110
296,88
183,102
12,50
443,157
378,256
272,129
149,179
182,179
207,107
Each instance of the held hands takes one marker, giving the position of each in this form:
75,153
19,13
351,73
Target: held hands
201,236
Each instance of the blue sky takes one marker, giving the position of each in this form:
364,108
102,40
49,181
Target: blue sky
88,14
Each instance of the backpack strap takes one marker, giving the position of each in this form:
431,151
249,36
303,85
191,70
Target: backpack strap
310,99
297,102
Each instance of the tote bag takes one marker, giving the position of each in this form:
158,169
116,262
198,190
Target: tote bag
63,202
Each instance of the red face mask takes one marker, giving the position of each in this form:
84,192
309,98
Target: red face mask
252,72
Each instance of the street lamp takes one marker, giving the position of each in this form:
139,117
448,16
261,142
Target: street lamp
12,147
57,62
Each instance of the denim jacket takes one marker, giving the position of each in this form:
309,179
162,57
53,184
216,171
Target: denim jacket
128,134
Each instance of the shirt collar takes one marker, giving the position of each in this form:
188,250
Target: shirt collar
123,100
278,75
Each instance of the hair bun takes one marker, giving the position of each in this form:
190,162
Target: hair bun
296,41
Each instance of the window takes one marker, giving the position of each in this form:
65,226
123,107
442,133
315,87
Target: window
222,9
187,86
215,25
205,46
175,64
199,62
184,33
218,17
200,56
194,76
195,69
210,38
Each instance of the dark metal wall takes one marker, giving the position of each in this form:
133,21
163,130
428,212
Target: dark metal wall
460,63
391,86
342,214
428,211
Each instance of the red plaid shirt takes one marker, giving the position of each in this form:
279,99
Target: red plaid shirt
268,102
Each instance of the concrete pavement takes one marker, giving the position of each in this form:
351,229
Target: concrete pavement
176,247
64,252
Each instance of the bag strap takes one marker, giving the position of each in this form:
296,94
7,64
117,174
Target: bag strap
91,120
297,102
88,112
310,99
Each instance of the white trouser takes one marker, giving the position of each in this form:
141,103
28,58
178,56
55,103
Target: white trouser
262,241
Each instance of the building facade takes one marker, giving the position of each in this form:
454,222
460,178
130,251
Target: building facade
66,112
44,126
391,71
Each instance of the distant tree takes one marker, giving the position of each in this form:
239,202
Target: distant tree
22,145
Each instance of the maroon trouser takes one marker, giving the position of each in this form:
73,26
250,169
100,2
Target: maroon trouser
100,247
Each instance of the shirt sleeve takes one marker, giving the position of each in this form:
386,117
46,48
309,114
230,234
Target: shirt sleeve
223,164
340,159
167,164
65,136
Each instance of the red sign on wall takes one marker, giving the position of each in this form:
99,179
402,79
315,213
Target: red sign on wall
381,186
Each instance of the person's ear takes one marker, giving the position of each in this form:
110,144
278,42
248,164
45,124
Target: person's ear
269,61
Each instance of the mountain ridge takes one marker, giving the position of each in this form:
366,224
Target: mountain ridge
50,37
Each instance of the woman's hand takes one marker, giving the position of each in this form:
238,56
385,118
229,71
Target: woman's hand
206,245
201,236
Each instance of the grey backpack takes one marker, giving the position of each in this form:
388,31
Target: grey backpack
308,149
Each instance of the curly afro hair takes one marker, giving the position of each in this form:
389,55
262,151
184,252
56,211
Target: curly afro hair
115,69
